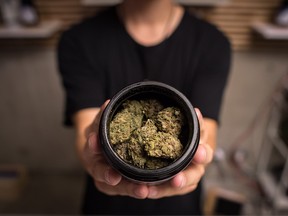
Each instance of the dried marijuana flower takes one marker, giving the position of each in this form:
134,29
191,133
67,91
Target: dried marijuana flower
170,120
151,108
163,145
125,122
145,134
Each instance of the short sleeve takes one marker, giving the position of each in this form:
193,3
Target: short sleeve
211,75
83,82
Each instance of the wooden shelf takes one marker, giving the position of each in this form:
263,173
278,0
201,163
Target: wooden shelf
270,31
44,30
184,2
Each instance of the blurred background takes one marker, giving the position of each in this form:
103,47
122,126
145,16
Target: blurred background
39,170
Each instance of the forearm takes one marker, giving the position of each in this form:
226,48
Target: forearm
82,121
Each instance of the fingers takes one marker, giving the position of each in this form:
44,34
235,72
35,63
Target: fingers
97,165
182,183
203,155
95,124
124,188
200,119
190,176
203,131
110,182
187,180
93,144
102,172
199,115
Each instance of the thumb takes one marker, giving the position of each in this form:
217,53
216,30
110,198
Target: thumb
203,155
93,144
99,114
93,141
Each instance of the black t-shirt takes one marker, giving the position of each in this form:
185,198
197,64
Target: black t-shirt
98,57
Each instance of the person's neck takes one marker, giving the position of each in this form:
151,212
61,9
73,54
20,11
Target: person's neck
150,12
149,21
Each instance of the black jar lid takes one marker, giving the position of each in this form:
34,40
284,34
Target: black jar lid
167,95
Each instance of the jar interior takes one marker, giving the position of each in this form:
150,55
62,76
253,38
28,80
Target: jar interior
167,98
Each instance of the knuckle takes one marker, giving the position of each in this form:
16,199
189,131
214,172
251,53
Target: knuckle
130,189
134,191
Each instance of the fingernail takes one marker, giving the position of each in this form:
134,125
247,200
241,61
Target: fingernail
152,192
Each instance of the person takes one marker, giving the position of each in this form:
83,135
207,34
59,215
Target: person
140,40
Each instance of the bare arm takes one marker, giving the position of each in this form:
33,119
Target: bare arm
82,121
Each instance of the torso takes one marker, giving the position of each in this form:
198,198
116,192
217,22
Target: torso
108,55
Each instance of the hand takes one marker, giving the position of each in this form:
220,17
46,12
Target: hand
106,179
110,182
187,180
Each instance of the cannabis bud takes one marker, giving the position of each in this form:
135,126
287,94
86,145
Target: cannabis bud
145,134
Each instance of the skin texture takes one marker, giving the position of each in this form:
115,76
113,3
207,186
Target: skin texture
110,182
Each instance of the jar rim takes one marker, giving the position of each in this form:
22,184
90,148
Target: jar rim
150,175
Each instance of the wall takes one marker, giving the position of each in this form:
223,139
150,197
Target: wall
254,79
31,96
31,111
234,18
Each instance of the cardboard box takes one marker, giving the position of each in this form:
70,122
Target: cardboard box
13,178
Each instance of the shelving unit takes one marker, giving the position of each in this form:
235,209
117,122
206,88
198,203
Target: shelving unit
184,2
274,187
44,29
270,31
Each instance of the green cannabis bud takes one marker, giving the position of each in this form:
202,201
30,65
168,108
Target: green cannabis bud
170,120
151,108
145,133
125,122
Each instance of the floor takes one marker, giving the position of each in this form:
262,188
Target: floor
48,193
52,193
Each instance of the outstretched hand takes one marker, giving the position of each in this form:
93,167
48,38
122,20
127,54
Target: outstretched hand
110,182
